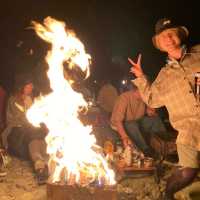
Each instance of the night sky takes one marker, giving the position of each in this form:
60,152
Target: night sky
110,30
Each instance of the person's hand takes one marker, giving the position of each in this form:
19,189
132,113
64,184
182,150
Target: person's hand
151,112
126,141
136,68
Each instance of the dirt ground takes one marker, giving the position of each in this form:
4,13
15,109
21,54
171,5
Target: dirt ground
20,184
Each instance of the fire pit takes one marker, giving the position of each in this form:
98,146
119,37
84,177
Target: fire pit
57,191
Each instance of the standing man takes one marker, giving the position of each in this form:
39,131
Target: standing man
174,88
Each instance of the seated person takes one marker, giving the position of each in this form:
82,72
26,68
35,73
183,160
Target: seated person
100,121
134,121
20,138
107,96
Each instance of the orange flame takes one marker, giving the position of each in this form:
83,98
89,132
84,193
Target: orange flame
69,143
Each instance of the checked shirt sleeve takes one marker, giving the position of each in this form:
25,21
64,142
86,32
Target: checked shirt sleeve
151,93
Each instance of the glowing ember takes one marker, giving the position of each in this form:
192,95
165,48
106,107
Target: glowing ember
71,147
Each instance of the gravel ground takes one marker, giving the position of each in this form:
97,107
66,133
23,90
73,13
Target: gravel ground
20,184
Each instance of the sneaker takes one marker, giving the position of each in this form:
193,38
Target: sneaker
5,159
41,170
2,172
42,175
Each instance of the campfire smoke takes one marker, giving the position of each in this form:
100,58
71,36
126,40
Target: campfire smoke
70,144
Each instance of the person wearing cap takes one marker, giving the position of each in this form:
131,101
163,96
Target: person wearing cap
20,138
174,88
134,121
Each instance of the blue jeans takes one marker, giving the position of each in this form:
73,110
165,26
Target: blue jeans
141,130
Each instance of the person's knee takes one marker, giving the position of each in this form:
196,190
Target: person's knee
36,149
36,143
189,173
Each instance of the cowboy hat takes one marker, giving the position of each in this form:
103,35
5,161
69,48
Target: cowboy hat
164,24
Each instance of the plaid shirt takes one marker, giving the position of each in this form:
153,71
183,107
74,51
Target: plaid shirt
174,88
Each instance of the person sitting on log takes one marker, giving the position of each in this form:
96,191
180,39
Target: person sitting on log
134,121
20,138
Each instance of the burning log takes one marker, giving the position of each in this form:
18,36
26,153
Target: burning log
57,191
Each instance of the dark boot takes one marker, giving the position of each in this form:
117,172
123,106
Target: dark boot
178,180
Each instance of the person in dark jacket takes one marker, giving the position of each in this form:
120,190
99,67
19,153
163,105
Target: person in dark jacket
20,138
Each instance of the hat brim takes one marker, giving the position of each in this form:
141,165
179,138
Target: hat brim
155,38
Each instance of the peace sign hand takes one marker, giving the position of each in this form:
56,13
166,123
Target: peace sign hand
136,68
